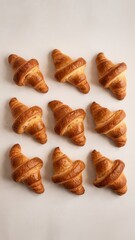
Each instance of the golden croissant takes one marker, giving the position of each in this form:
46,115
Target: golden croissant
112,75
110,123
28,120
69,122
27,73
70,71
26,170
67,172
109,173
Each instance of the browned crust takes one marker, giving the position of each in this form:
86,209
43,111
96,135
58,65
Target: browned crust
64,122
118,169
20,172
112,73
13,149
30,113
79,190
74,183
12,56
118,117
21,73
78,167
101,53
70,68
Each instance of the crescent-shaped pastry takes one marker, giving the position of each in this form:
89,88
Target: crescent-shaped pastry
109,173
68,70
110,123
67,172
28,120
26,170
112,75
69,122
27,73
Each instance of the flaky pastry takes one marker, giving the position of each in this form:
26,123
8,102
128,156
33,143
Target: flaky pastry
67,172
26,170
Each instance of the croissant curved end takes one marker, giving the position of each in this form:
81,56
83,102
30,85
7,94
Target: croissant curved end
15,146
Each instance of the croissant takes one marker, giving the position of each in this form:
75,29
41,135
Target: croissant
26,170
112,75
109,173
27,73
28,120
70,71
69,122
110,123
67,172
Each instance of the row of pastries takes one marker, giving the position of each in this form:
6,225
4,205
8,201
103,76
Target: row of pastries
69,122
67,172
111,76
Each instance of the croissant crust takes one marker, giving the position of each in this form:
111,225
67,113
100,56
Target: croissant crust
24,70
20,173
28,120
26,170
62,124
118,117
69,122
116,172
68,70
110,123
109,173
112,75
67,172
71,172
61,74
27,73
25,116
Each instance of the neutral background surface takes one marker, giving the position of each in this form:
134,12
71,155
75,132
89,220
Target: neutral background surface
32,29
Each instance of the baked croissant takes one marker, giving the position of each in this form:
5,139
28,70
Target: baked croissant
110,123
67,172
27,73
112,75
70,71
69,122
109,173
26,170
28,120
